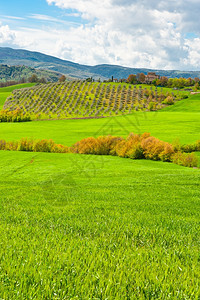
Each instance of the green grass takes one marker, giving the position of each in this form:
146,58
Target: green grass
99,227
5,92
89,227
3,97
192,104
14,87
167,126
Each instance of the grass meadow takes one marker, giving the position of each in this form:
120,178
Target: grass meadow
5,92
100,227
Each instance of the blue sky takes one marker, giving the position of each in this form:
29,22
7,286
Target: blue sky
135,33
29,13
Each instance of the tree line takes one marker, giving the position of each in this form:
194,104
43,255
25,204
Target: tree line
164,81
32,79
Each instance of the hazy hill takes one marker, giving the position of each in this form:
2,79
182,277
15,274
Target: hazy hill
16,73
41,61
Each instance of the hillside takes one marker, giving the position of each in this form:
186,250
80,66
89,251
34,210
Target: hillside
41,61
74,223
78,99
16,73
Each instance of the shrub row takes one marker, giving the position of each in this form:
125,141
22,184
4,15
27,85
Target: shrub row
136,146
191,147
13,116
34,146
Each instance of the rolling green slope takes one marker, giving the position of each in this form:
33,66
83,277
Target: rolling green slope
90,227
166,126
78,99
192,104
100,227
5,92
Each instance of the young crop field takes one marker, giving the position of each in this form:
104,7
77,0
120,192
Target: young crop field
68,231
77,226
78,99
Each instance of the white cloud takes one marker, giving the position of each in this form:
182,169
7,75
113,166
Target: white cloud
13,17
6,35
193,49
47,18
134,33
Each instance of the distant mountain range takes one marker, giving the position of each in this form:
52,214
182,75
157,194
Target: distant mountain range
39,61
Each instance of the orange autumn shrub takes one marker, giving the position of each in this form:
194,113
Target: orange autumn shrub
102,145
152,148
155,149
25,145
167,153
136,146
130,148
43,146
58,148
85,146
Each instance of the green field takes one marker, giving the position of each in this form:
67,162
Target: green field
5,92
100,227
166,126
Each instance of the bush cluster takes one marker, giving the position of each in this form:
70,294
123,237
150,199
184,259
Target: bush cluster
191,147
34,146
136,146
169,100
14,116
185,159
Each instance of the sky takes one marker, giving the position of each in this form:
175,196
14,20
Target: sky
155,34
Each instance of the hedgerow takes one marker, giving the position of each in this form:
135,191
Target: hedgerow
136,146
34,146
16,115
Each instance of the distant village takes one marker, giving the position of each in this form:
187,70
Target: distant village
162,81
141,77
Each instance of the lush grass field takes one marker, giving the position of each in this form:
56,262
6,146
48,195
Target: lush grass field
179,121
89,227
99,227
166,126
5,92
14,87
3,97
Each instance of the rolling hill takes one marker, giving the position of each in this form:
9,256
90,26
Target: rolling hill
38,60
77,226
16,73
79,99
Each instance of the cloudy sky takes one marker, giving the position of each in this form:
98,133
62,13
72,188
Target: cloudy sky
135,33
